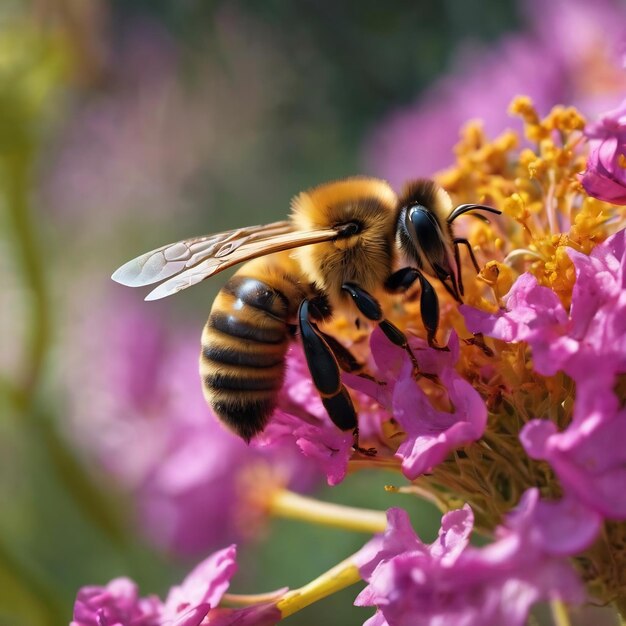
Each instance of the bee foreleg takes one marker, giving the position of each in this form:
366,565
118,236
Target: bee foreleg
459,241
429,302
401,281
366,303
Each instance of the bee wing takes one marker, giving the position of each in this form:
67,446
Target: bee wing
238,253
174,258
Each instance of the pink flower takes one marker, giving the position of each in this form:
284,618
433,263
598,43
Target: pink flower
605,176
116,604
432,433
301,419
193,603
591,468
591,339
548,62
449,583
146,388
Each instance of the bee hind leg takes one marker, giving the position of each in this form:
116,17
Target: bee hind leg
324,370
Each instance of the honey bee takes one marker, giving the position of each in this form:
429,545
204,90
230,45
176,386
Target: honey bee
341,244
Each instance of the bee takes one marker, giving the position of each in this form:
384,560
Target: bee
339,247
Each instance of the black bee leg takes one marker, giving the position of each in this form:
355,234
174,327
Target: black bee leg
345,359
326,377
457,261
370,308
453,288
459,241
478,340
401,280
457,257
429,302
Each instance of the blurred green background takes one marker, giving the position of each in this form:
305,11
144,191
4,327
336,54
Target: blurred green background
125,125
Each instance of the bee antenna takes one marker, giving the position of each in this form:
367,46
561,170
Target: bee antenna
465,208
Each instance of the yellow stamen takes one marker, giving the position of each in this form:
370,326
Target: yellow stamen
339,577
291,505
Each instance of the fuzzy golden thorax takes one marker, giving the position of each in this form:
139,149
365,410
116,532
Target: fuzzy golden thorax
365,258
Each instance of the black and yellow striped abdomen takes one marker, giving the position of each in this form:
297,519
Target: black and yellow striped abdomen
244,344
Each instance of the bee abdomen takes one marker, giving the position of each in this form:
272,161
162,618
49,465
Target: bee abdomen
244,344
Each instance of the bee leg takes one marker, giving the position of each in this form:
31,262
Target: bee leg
370,308
457,260
429,302
443,276
345,359
326,377
478,340
459,241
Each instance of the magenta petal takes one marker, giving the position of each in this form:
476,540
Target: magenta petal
398,537
192,617
606,153
532,311
604,188
454,535
432,434
590,466
451,582
117,604
566,527
534,437
328,446
206,584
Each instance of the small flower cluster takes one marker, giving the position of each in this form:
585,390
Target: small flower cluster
520,417
191,603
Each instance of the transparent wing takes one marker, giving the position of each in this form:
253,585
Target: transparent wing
185,263
173,258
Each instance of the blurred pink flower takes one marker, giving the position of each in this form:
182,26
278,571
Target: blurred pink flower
145,387
590,467
605,176
193,603
570,53
449,582
118,603
164,128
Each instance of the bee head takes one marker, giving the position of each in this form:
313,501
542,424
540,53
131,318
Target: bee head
422,233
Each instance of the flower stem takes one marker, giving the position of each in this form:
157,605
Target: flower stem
339,577
559,613
239,599
291,505
16,178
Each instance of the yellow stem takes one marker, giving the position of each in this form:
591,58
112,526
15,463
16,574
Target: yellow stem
294,506
239,599
559,613
332,581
